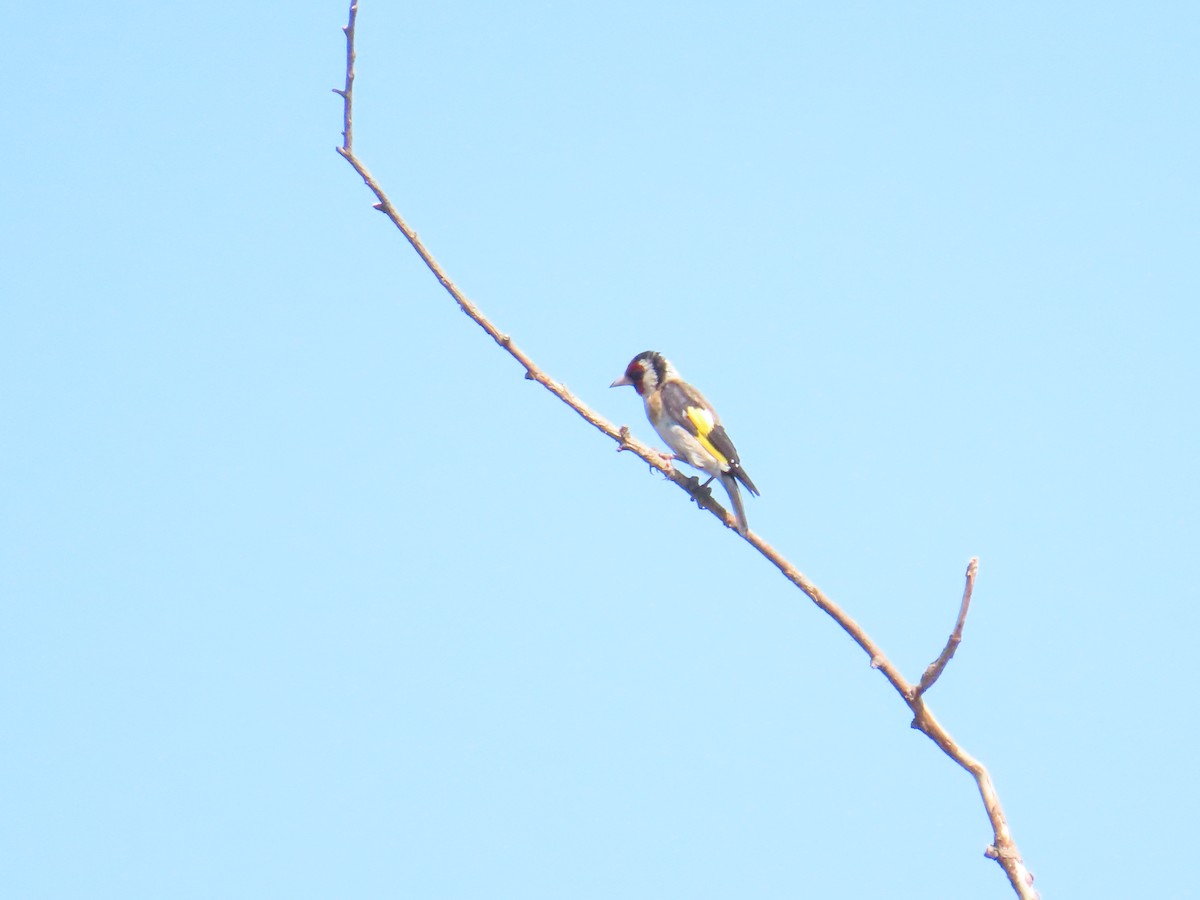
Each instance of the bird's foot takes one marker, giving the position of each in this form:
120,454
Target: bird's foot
666,461
699,491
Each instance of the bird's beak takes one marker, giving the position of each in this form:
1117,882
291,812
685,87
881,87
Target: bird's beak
624,379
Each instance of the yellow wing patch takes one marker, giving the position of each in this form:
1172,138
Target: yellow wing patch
702,421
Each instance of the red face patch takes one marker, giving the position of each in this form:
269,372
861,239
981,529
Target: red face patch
635,373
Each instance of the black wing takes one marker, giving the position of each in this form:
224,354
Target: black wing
685,405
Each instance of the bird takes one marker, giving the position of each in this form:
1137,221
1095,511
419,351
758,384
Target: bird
689,425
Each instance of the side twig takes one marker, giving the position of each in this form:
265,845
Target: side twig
934,671
1003,848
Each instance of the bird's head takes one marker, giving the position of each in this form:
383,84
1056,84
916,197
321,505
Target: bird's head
645,372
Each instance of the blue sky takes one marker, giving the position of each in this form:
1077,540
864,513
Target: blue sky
308,593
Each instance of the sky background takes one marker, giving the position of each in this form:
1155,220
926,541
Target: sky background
308,593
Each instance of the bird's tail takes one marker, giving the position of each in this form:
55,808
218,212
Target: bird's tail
735,497
741,476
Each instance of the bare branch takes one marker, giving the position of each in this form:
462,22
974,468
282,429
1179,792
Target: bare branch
347,93
532,371
1003,849
935,668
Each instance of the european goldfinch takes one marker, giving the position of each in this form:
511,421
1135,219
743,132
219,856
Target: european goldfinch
689,425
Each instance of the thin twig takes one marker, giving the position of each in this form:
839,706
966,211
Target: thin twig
934,671
1003,848
347,93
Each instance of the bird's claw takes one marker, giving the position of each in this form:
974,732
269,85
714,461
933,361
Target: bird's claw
665,462
698,490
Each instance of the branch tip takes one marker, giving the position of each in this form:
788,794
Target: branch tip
935,668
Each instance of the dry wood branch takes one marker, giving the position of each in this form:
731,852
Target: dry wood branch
347,93
533,372
934,671
1003,849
